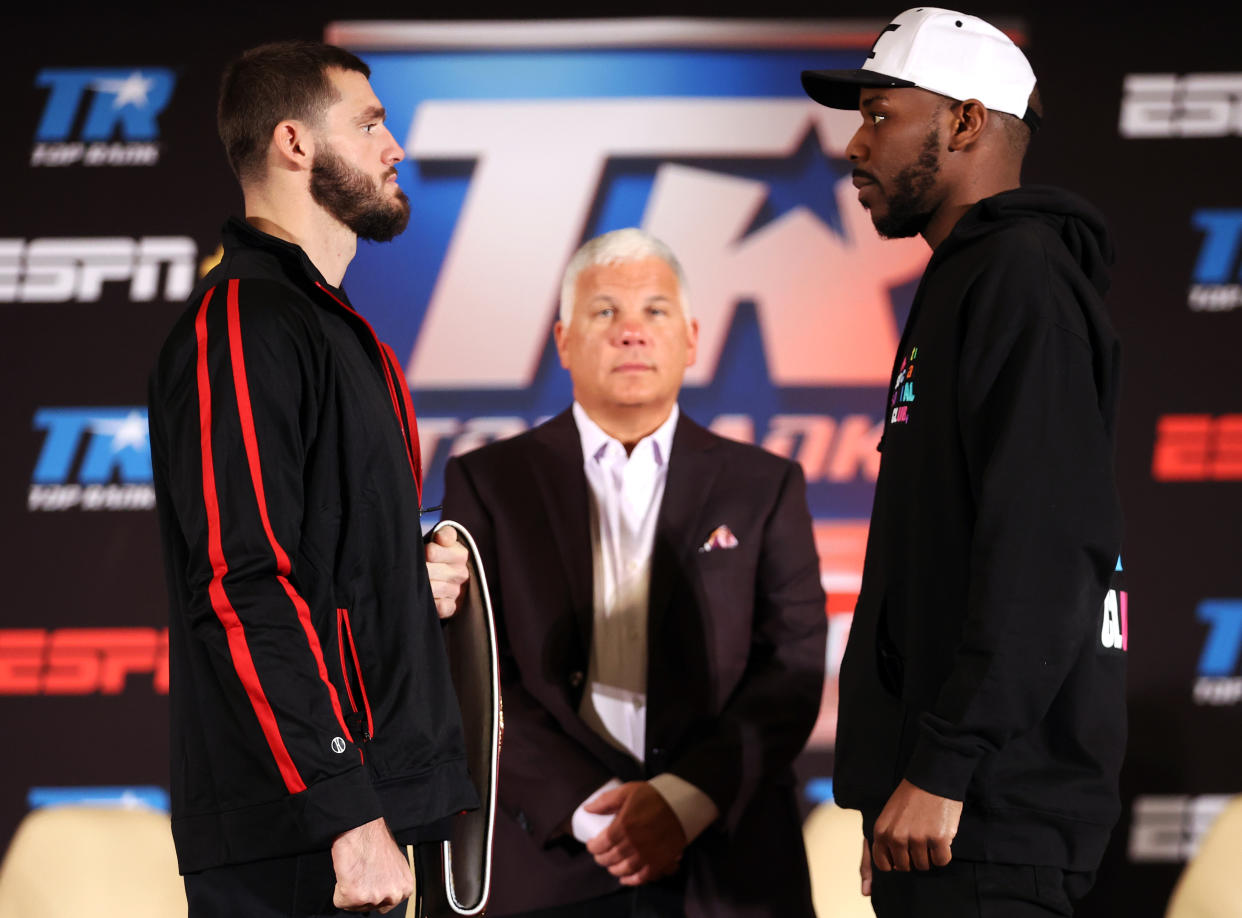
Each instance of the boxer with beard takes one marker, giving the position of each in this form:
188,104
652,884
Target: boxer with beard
314,725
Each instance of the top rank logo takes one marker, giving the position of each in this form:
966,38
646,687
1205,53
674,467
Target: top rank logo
101,117
1219,675
1215,284
92,459
704,138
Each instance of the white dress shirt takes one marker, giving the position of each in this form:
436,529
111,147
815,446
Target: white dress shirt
625,502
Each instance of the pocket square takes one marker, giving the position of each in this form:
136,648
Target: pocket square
722,537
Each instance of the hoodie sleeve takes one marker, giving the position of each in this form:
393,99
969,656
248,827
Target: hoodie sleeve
237,420
1047,524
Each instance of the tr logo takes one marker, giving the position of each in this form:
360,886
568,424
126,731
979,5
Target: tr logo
1215,283
110,448
101,116
547,157
1220,682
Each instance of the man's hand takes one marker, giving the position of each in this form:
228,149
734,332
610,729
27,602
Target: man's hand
864,869
446,569
645,840
915,828
371,871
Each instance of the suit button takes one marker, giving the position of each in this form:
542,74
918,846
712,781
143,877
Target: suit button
576,677
523,822
656,752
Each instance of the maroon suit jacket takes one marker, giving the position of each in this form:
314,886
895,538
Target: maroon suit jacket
735,663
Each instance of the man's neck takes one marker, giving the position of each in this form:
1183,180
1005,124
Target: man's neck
962,199
630,424
296,218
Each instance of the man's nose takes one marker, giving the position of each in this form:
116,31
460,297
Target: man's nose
856,149
393,153
631,333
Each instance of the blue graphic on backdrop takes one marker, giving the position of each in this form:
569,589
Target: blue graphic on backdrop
1215,283
101,117
92,458
154,798
513,158
1222,649
1219,675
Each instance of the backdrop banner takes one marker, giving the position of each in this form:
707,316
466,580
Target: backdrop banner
523,138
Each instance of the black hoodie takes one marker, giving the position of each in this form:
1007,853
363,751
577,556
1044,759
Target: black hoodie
984,663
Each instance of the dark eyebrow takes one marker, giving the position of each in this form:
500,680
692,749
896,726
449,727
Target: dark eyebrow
372,113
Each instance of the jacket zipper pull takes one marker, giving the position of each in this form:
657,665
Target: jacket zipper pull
358,726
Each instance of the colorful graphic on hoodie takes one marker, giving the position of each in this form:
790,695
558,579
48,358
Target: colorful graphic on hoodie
903,390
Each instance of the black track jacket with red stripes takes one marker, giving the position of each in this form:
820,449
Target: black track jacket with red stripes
309,684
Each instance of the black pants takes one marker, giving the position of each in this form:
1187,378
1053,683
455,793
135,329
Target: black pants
972,889
285,887
650,901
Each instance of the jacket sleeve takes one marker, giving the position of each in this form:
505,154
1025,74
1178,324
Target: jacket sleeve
238,424
1047,523
770,714
544,772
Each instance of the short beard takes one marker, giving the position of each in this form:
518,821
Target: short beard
908,211
351,196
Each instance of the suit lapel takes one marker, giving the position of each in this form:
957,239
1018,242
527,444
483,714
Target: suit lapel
563,487
692,469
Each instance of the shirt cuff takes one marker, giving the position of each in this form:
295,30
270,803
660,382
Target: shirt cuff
585,826
693,808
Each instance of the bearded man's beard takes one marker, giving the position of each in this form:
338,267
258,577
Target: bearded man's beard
353,197
908,213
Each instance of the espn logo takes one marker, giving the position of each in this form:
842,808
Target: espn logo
1194,105
63,270
81,661
1169,829
1198,447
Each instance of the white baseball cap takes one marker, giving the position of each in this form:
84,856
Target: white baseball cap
942,51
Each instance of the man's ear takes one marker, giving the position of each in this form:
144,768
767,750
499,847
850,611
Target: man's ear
970,119
293,145
692,341
559,332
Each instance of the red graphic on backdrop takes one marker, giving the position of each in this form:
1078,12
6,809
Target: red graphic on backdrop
1198,447
82,661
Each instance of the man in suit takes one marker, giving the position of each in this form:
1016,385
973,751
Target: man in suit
661,625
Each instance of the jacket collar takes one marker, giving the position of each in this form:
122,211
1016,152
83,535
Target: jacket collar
237,233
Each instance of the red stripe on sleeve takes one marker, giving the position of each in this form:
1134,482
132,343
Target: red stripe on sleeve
246,413
235,634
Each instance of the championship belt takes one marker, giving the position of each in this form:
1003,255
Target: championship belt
454,877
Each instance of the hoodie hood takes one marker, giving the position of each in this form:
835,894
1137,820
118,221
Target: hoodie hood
1080,226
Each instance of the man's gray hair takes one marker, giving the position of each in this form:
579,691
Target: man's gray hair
618,247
